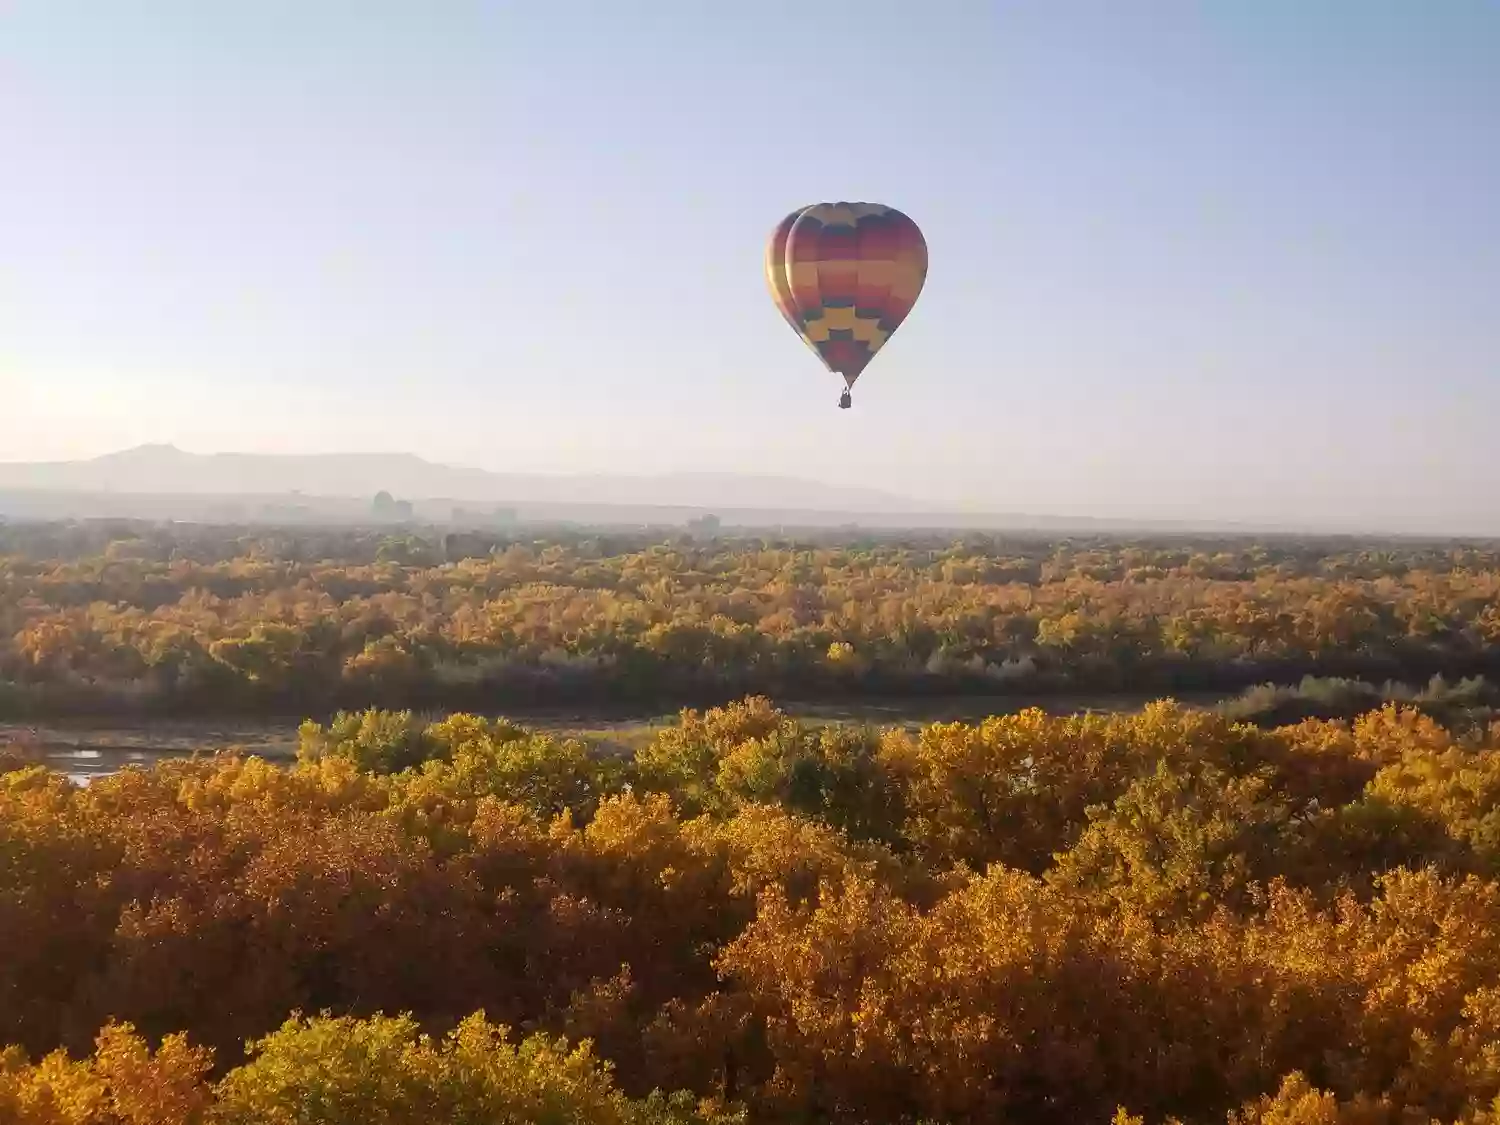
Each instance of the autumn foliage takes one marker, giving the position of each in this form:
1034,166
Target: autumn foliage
1145,917
116,618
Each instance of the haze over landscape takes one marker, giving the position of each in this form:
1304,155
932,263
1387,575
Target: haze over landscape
1211,262
460,662
166,469
163,482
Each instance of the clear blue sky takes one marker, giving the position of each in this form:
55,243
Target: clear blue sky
1235,259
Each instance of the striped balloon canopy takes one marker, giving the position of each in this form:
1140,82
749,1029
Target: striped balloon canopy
845,275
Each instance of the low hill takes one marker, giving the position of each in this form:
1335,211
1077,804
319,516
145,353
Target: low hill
167,470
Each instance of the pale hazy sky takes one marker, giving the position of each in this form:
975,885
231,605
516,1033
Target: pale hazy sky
1234,259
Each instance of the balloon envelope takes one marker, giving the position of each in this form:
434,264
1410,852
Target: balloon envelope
845,275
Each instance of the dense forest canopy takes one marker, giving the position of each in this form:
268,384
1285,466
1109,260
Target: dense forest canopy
1150,917
118,617
436,914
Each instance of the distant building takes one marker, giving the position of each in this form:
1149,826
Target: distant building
705,526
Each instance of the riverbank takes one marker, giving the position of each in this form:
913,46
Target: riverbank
85,748
90,746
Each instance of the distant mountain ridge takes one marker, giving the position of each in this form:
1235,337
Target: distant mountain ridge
165,469
161,482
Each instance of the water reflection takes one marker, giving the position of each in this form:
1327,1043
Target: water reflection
83,765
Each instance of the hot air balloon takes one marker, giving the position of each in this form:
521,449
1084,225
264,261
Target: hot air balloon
845,275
